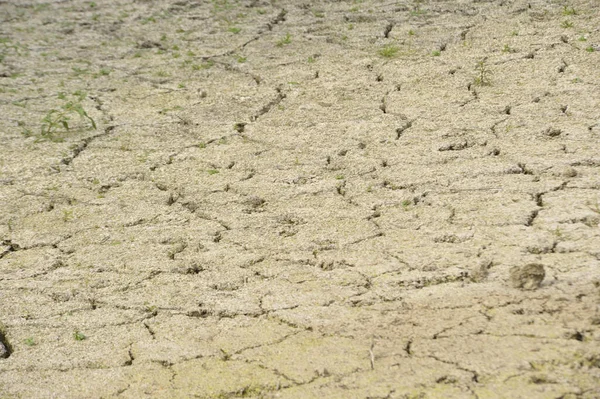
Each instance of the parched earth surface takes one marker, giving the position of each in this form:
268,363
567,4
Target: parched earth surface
288,199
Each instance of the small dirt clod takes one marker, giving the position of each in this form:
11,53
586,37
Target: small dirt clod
528,277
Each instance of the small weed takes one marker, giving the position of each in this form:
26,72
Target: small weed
318,14
569,11
201,145
590,49
311,59
104,72
514,33
241,59
205,65
67,215
508,49
339,177
436,53
411,32
483,74
235,30
78,336
80,71
405,204
29,341
566,24
149,19
212,171
287,39
56,119
181,86
350,26
582,39
389,51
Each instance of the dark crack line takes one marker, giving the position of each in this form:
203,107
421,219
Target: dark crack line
84,144
266,108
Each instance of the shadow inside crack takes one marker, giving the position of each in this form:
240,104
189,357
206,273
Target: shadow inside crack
5,347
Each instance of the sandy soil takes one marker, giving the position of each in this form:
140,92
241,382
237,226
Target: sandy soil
287,199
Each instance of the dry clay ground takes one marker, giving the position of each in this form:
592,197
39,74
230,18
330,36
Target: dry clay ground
287,199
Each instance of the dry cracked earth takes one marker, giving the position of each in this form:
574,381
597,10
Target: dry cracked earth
293,199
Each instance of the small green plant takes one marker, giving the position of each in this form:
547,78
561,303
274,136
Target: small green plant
78,336
205,65
436,53
405,204
241,59
566,24
483,74
582,39
212,171
79,71
569,11
287,39
318,14
311,59
57,119
514,33
389,51
235,30
508,49
590,49
411,32
29,341
339,177
67,215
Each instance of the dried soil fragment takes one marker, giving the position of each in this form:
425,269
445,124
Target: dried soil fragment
528,277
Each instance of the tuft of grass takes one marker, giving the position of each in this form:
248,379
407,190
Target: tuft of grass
29,341
287,39
436,53
78,336
566,24
389,51
483,74
205,65
569,11
58,119
590,49
235,30
212,171
507,49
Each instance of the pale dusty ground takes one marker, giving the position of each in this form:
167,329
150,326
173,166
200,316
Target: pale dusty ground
271,216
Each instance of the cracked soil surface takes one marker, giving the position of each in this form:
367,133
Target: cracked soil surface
293,199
